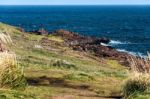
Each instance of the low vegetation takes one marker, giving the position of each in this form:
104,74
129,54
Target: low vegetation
138,82
11,74
54,72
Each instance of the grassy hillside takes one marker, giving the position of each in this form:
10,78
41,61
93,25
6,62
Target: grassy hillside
56,71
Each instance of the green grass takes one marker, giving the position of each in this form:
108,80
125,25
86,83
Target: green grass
140,95
11,74
69,70
31,92
137,85
55,38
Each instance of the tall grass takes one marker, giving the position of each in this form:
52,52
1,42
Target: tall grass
139,64
11,74
5,38
136,83
139,78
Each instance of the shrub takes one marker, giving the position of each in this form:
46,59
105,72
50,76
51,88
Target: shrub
138,82
11,74
139,79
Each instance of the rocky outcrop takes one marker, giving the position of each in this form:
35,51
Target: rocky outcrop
74,38
92,45
41,31
84,44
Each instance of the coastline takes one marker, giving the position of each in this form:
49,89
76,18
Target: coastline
74,51
65,62
99,47
52,68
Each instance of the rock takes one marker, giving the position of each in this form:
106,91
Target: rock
82,43
21,29
67,35
92,45
41,31
74,38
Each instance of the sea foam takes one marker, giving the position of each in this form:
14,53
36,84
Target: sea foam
116,42
132,53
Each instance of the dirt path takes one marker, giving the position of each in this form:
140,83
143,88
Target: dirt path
81,97
73,91
74,97
83,94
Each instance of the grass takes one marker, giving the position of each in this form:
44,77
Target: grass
138,83
11,75
31,92
81,76
55,38
62,64
141,95
62,72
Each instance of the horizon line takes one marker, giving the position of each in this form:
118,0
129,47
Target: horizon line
74,4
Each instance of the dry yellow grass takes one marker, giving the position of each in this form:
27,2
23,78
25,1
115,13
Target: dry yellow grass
11,75
5,38
139,79
136,83
138,64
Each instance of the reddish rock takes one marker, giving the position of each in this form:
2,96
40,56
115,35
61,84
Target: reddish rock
41,31
74,38
92,45
84,43
21,29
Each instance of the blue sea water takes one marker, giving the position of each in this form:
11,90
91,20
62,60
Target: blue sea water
127,26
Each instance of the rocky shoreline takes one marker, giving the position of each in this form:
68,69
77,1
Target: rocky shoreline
88,44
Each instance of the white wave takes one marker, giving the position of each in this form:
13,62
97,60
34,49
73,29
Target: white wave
123,50
132,53
114,42
103,44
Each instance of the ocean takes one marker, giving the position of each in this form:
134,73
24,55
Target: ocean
128,27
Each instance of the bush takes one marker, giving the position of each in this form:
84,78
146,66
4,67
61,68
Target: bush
139,80
137,83
11,74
